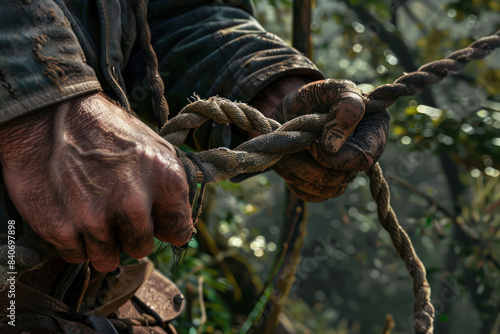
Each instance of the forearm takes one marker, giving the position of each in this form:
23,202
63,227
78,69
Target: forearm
18,136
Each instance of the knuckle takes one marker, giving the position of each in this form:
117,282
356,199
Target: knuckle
169,170
134,208
351,108
340,85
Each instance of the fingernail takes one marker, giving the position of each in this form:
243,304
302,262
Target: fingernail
333,140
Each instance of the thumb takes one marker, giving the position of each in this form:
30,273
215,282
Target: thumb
345,114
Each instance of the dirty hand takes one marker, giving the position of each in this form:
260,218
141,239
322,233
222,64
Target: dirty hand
94,181
351,141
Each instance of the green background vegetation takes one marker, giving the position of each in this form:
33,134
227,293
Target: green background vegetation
443,161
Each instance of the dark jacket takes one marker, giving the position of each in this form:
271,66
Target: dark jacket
54,50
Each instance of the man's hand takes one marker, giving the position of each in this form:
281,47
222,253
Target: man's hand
94,181
350,142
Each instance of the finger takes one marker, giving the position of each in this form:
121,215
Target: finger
314,98
74,254
131,218
173,226
135,231
171,208
341,99
362,149
101,244
344,116
68,243
314,189
314,198
302,166
301,173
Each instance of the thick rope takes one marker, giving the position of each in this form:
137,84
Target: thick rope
423,310
155,84
220,110
296,135
413,83
255,155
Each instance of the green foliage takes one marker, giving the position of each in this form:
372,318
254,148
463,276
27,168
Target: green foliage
227,209
199,265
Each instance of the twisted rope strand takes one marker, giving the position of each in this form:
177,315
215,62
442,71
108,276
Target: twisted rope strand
255,155
220,110
423,309
413,83
154,82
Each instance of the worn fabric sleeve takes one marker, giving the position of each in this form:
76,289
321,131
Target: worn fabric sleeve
41,61
220,50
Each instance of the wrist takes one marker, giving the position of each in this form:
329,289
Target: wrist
32,137
268,99
26,137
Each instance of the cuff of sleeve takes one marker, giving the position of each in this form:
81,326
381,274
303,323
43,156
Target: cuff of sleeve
42,62
250,84
47,98
255,59
224,51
